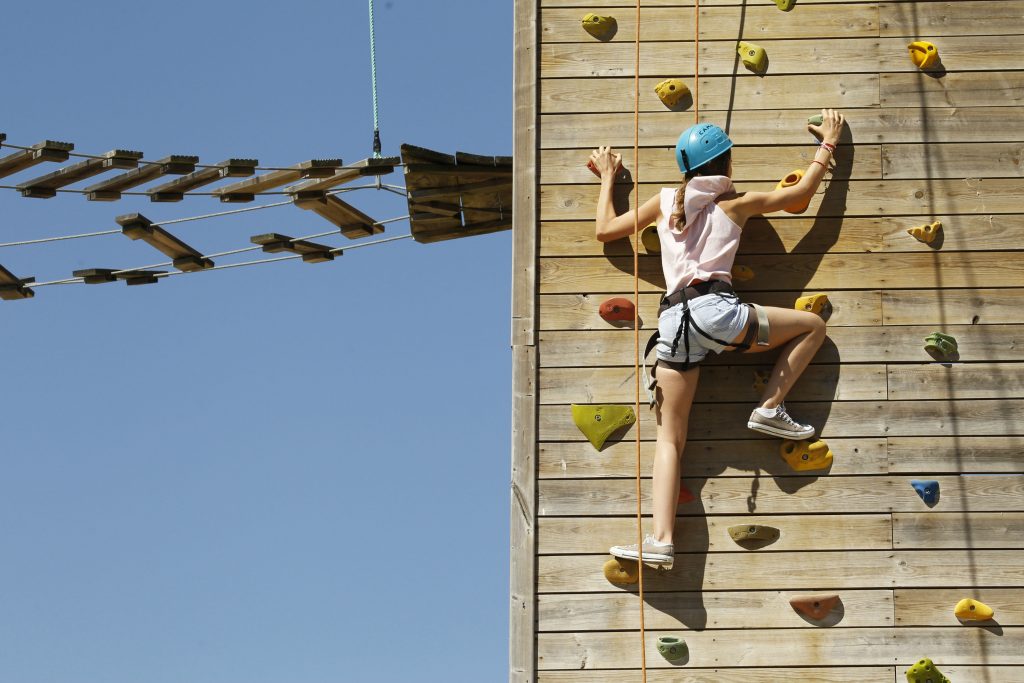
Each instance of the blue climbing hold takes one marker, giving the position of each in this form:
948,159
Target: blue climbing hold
928,489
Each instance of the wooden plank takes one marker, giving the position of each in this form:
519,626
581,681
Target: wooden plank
246,190
751,22
951,160
757,648
865,419
174,191
716,610
973,454
876,126
964,89
111,189
581,535
955,380
970,17
580,311
719,93
689,674
934,606
975,306
736,457
929,531
785,496
46,186
825,571
736,383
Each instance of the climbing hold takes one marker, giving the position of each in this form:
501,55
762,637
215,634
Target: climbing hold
649,238
753,532
671,91
972,610
599,26
812,303
923,54
925,672
940,346
599,422
925,233
816,120
789,181
801,455
784,5
742,273
754,57
928,489
622,572
617,309
685,494
673,649
814,606
761,378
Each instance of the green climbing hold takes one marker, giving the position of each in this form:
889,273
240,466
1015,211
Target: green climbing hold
925,672
599,422
816,120
673,649
940,346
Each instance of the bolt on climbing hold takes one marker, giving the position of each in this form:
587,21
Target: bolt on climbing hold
816,607
598,422
617,309
925,672
925,233
761,378
673,649
671,91
622,572
941,346
753,56
928,489
649,238
973,610
600,27
742,273
784,5
801,455
790,180
753,532
923,54
813,303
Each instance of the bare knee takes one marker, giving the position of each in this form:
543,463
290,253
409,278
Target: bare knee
816,327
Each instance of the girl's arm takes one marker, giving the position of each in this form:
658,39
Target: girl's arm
609,226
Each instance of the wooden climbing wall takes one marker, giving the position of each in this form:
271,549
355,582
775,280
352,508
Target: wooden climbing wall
945,145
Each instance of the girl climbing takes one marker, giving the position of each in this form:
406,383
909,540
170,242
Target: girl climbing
699,226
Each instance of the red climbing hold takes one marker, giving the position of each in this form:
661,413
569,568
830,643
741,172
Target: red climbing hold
617,309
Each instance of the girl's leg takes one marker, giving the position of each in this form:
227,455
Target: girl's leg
800,335
675,397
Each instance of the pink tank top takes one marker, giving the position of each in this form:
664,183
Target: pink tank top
705,247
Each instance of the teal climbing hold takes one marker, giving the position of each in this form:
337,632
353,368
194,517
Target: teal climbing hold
928,489
673,649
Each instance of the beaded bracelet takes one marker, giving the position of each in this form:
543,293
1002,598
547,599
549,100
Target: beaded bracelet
830,147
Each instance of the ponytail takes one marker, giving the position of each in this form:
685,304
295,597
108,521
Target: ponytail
717,166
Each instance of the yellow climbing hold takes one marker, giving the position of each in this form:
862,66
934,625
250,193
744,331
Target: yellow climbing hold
649,238
761,378
671,91
804,455
753,56
790,180
784,5
925,672
972,610
923,54
600,27
925,233
622,572
599,422
812,303
742,273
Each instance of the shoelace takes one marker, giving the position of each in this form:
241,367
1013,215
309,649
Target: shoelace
782,414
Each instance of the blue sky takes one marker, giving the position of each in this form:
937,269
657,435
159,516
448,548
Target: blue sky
289,472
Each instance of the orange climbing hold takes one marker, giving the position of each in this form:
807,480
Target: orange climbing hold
802,455
816,607
789,181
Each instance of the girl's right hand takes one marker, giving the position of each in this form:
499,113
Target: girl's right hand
606,161
830,128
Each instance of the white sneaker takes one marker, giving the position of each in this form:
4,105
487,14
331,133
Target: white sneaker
654,553
779,424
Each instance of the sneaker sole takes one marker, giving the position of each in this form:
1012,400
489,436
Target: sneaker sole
648,559
772,431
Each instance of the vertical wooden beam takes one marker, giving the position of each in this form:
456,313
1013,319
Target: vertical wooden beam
523,518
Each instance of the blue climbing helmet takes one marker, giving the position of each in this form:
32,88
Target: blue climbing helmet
700,144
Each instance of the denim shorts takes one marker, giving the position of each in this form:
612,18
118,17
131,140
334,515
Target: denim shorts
720,316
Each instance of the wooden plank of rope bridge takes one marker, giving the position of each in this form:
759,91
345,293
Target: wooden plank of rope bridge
966,89
950,160
46,186
930,530
110,190
246,190
582,535
47,150
174,191
135,277
929,455
768,647
311,252
822,674
971,17
135,226
734,457
934,606
720,23
725,383
959,380
13,288
580,311
914,125
351,222
862,419
360,169
785,496
745,610
747,92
